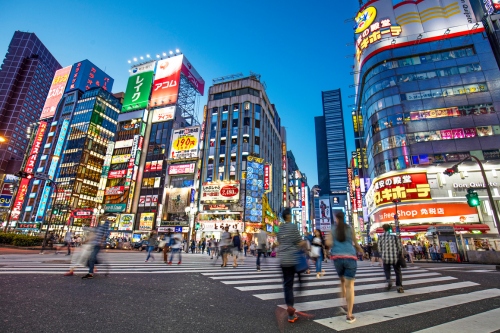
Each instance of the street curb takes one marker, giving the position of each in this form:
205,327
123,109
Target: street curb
25,248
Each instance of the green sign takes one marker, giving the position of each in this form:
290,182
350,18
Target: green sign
115,208
138,90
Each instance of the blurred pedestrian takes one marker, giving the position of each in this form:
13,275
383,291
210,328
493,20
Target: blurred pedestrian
225,242
203,245
289,245
166,245
375,254
176,247
342,241
153,237
261,237
68,238
193,246
245,248
391,251
99,240
236,248
317,246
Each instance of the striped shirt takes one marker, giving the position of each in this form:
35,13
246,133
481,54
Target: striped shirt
289,239
101,233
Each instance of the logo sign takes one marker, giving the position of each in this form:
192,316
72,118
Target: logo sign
185,143
55,93
117,174
407,187
115,190
124,143
167,81
115,208
181,169
220,191
126,222
138,87
146,221
27,225
364,19
5,200
192,75
163,114
267,177
120,159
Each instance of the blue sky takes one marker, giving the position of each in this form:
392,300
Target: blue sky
299,47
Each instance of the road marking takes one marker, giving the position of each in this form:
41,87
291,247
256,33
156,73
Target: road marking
330,303
406,310
313,292
480,323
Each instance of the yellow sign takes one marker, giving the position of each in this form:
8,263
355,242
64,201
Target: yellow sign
364,19
146,221
186,142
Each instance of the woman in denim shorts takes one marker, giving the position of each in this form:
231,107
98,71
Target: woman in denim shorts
342,242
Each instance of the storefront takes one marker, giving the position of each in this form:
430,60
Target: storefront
212,224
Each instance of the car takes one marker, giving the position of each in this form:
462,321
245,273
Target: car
141,245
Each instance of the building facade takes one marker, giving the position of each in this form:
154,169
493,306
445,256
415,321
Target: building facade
25,77
427,97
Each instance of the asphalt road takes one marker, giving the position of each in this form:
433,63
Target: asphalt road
198,296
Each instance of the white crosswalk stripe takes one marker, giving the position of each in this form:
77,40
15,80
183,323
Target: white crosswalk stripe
485,322
320,294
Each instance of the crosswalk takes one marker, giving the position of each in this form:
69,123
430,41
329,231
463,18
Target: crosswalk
445,292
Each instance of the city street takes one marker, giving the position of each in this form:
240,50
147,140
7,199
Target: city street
200,296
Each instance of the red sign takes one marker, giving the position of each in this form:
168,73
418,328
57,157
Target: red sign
167,81
425,227
229,191
116,190
266,176
117,174
35,149
180,169
82,213
18,203
407,187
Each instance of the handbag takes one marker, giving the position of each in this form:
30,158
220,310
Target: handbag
301,265
401,259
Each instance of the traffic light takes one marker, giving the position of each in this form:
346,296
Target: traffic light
23,174
451,171
472,198
197,226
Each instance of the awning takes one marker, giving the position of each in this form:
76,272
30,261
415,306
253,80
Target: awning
424,227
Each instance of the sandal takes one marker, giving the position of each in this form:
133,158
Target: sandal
350,319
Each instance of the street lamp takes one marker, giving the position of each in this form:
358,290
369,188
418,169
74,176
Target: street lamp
2,139
396,217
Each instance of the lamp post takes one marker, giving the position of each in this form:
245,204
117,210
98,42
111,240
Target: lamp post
191,213
454,169
396,216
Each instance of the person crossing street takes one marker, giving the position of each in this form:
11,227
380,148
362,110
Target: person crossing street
391,251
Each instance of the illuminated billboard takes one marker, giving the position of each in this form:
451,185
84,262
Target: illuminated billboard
380,25
35,148
220,191
254,189
185,143
163,114
138,87
167,81
55,93
192,75
85,75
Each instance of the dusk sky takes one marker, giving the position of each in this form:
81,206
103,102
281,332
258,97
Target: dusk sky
298,47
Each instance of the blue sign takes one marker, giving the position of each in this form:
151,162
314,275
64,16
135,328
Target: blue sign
85,75
5,200
178,229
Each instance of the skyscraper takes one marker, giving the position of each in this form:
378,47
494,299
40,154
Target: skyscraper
25,78
330,145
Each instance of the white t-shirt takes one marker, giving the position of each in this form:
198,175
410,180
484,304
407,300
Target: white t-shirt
410,248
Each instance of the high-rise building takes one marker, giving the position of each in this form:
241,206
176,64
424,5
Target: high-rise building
426,99
25,77
242,155
331,145
298,195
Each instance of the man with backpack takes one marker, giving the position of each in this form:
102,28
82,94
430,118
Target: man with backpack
391,251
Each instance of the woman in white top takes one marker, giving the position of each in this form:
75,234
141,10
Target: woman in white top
411,251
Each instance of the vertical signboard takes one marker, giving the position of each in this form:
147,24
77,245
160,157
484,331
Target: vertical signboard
268,182
325,223
55,93
185,143
138,87
254,189
146,221
167,81
18,203
35,149
303,203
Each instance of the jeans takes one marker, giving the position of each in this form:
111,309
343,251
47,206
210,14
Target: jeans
319,261
208,250
259,253
93,258
288,276
150,249
245,249
397,271
172,254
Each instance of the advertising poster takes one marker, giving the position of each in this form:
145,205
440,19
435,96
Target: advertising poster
220,191
178,199
325,222
35,148
181,169
126,222
185,143
117,174
146,221
254,189
55,93
115,208
193,76
167,81
163,114
404,186
115,190
85,75
138,87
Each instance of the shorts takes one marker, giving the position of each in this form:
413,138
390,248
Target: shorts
376,254
346,268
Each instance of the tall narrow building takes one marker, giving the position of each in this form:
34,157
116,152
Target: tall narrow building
25,78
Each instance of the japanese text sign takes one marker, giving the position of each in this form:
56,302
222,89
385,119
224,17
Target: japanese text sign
220,191
146,221
35,149
181,169
55,93
185,143
167,81
85,75
138,88
163,114
406,187
18,203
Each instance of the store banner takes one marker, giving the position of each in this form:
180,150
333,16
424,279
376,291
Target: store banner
126,222
222,191
18,203
138,87
219,226
181,169
192,75
185,143
115,190
114,174
146,221
167,81
404,186
178,200
324,221
115,208
163,114
55,93
254,189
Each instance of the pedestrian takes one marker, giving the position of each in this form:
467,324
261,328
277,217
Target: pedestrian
424,251
67,241
81,256
225,242
166,245
193,246
411,251
252,249
342,241
308,237
392,254
317,246
245,248
261,237
153,237
290,243
203,245
236,248
97,242
176,247
376,254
